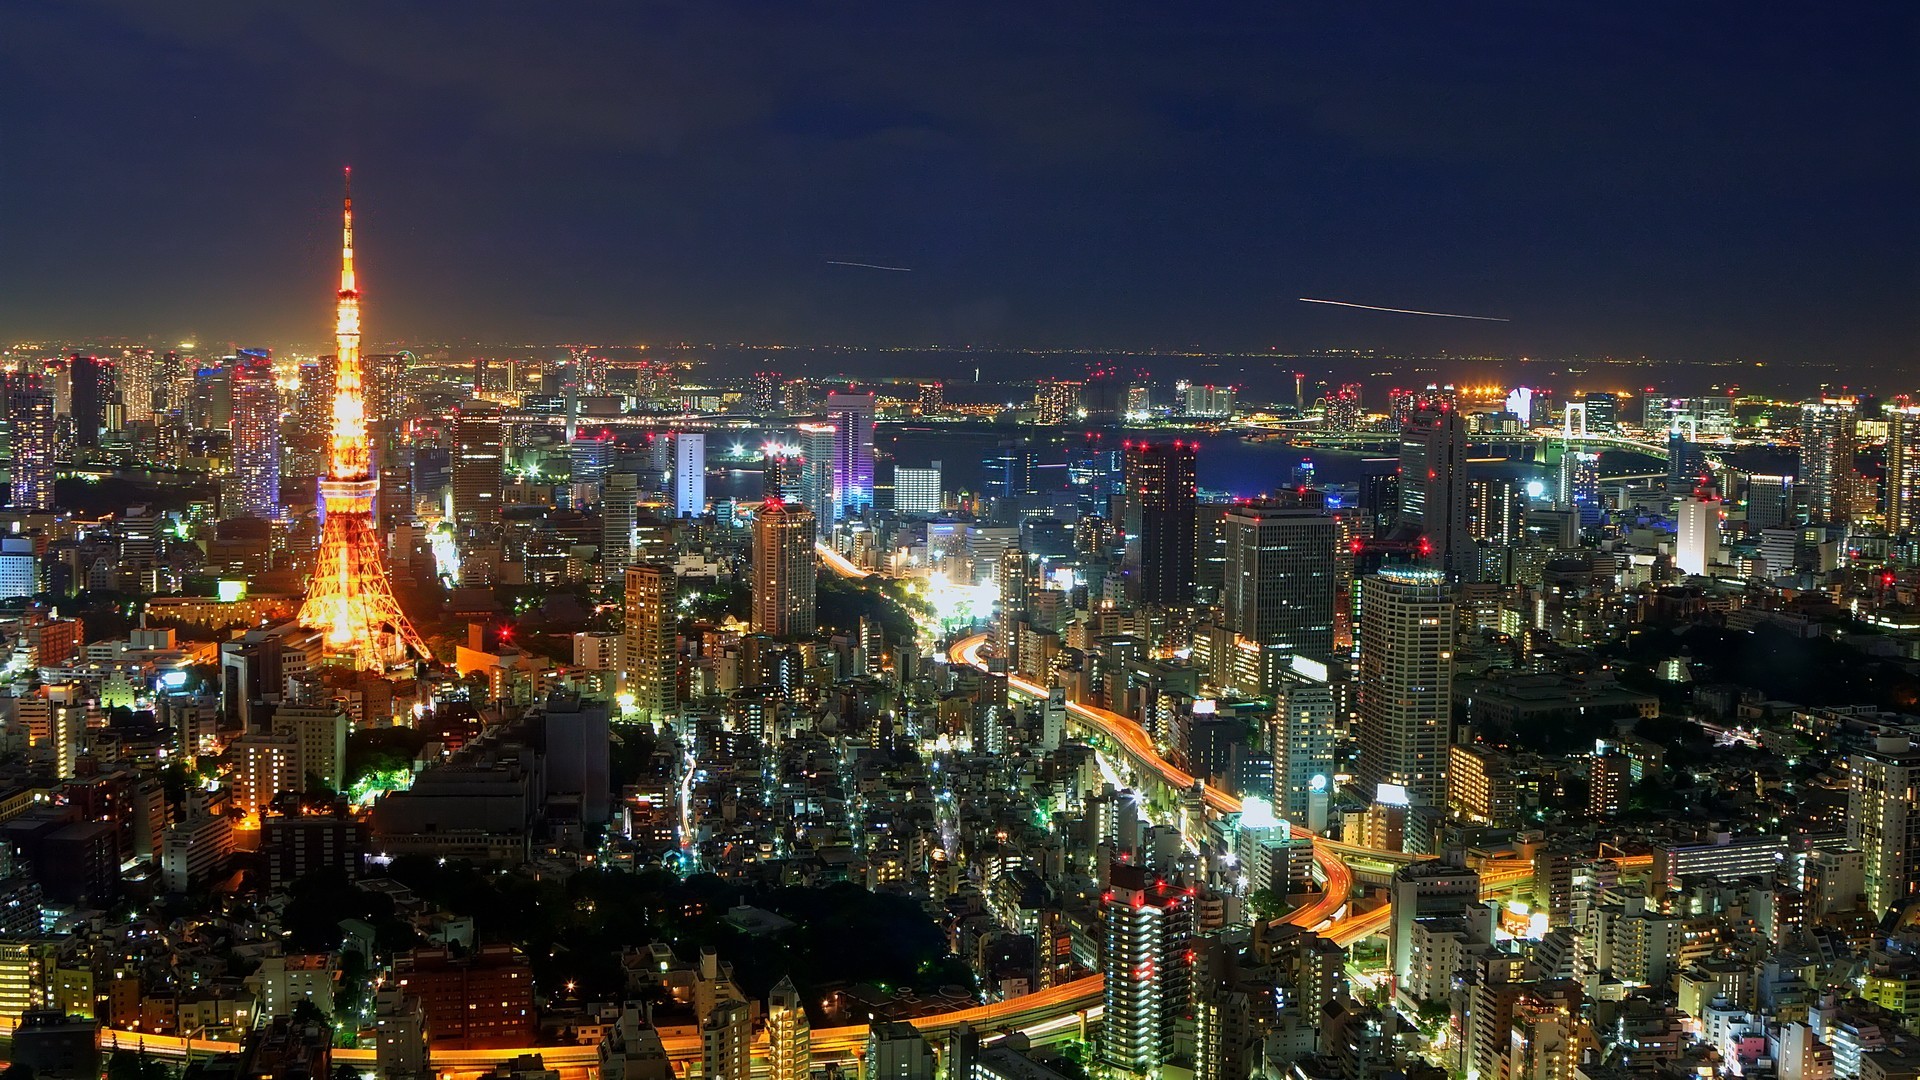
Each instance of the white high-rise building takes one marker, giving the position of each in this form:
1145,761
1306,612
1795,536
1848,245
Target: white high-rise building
1883,818
689,474
1406,681
917,491
1698,543
1305,725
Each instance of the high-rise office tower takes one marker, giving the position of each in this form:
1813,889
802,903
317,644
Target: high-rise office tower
784,569
1279,580
589,456
1903,470
817,442
30,423
1770,500
782,475
852,419
1697,545
917,490
1149,924
1496,510
1008,470
91,382
1827,445
1603,413
1162,521
256,437
1883,818
789,1036
1406,681
689,474
479,460
648,667
1433,487
619,519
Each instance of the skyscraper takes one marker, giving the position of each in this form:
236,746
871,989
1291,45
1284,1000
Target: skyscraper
689,474
852,419
1149,924
479,460
1697,545
648,667
1279,580
1433,487
1406,681
1883,818
1827,446
1603,413
92,384
619,517
30,422
138,369
784,569
1162,521
816,479
1903,470
916,490
1496,510
256,437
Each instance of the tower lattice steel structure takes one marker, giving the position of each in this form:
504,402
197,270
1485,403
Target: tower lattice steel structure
349,595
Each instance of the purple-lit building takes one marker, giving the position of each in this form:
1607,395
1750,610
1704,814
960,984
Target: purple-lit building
852,418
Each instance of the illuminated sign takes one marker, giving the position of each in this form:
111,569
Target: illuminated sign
231,591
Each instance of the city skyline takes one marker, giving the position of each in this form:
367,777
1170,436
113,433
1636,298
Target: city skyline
1692,195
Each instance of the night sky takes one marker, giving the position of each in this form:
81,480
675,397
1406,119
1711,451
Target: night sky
1694,181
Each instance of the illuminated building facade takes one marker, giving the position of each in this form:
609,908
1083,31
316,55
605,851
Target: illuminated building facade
256,437
1149,927
1279,577
479,465
689,474
784,569
349,596
647,664
852,418
1903,470
1406,682
1827,448
1698,543
30,424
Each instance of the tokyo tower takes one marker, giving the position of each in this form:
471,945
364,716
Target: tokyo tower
349,596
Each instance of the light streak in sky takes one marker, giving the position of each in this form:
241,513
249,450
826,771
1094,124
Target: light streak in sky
871,266
1403,311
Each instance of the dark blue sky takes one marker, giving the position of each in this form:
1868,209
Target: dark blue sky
1681,180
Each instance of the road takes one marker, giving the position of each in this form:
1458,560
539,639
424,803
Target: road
839,563
1138,745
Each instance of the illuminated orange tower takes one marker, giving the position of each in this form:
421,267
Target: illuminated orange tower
349,595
